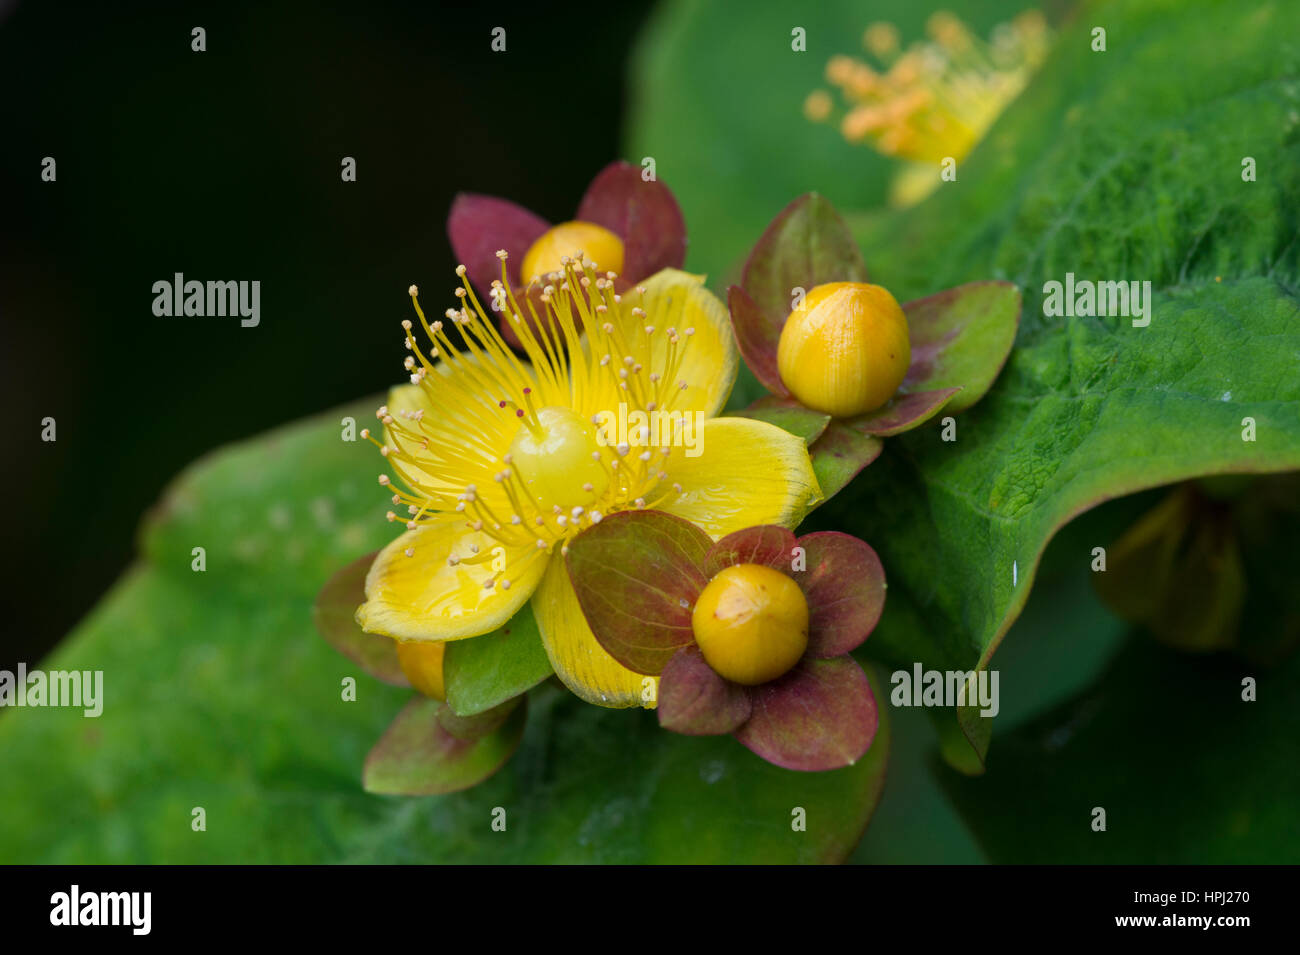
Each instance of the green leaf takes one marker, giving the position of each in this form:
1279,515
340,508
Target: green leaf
219,694
788,415
420,756
485,671
839,455
293,506
1059,646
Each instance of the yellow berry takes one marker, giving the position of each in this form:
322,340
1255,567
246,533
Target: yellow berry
571,239
845,350
422,663
751,623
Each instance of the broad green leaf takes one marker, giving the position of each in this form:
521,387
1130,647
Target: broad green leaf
1064,667
291,508
220,695
419,755
488,670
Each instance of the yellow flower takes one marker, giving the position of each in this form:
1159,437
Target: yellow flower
497,462
936,99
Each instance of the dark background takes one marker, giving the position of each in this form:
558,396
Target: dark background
225,165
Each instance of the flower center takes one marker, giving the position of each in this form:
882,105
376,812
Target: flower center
572,240
845,350
513,446
558,460
751,624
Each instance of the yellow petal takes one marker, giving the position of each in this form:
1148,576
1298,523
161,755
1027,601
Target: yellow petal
422,664
747,472
439,428
709,359
421,597
706,360
411,398
401,400
577,658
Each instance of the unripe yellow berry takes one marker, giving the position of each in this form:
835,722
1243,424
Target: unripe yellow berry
845,350
594,242
422,663
751,623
